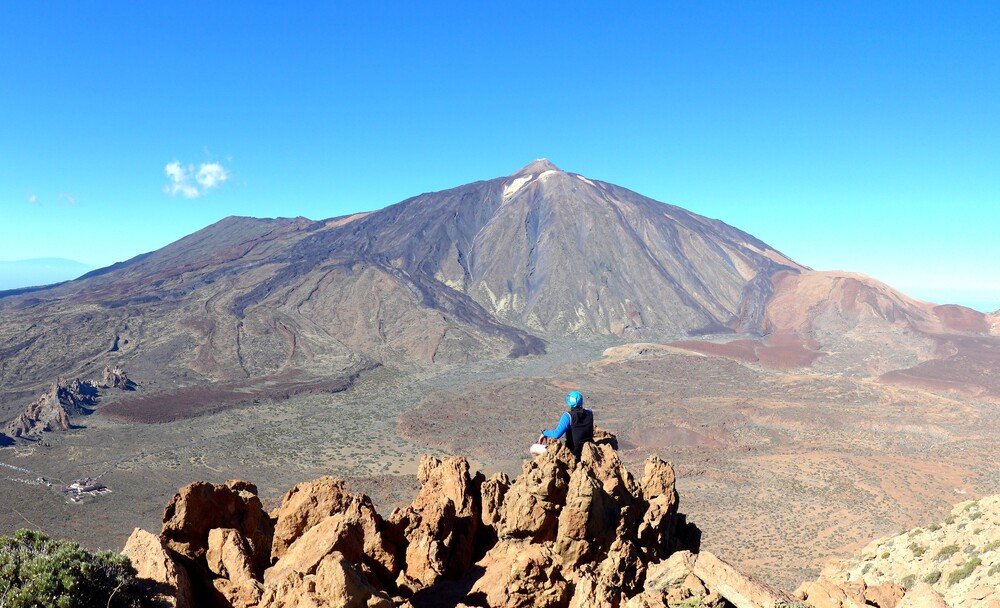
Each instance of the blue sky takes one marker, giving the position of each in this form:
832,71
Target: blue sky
852,135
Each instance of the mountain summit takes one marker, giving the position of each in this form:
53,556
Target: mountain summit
489,269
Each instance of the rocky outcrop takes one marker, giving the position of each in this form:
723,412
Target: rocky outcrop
165,580
563,534
52,410
115,377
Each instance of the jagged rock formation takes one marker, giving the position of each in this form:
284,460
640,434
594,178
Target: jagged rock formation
562,533
115,377
52,410
956,561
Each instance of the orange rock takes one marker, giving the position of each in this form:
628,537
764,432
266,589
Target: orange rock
229,555
660,496
739,589
521,574
307,504
532,504
439,529
922,595
885,595
200,507
167,582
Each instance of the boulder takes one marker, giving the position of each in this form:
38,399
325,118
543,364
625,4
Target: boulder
884,595
307,504
244,594
670,573
493,491
922,595
229,555
739,589
333,581
521,574
826,593
336,533
647,599
201,507
438,530
164,580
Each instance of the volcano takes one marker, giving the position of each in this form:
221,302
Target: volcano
491,269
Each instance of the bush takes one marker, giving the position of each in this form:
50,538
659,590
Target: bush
932,577
934,527
918,550
964,571
908,581
946,551
37,572
885,555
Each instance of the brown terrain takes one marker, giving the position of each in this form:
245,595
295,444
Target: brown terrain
805,412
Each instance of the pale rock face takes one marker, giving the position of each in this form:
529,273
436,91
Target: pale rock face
739,589
922,596
168,581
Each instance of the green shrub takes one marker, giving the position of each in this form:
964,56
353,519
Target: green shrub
932,577
964,571
934,527
918,550
907,581
949,520
37,572
994,569
885,555
992,545
975,515
946,551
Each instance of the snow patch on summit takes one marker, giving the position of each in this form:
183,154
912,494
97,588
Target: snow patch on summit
516,185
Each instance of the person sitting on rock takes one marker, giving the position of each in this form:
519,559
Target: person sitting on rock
577,424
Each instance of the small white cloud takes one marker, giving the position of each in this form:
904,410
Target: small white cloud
189,183
32,199
69,198
211,175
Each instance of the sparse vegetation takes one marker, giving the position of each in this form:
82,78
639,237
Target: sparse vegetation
917,550
932,577
934,527
946,551
949,520
975,515
964,571
993,569
908,581
992,545
38,572
885,555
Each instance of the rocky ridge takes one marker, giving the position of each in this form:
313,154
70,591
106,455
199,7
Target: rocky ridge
958,558
563,534
54,408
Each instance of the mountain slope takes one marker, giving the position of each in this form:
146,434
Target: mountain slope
489,269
